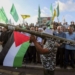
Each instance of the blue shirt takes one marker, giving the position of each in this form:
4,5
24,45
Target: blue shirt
70,37
63,35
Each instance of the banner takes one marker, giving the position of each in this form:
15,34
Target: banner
44,20
25,16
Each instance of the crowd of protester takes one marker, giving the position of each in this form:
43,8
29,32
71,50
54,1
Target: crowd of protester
65,54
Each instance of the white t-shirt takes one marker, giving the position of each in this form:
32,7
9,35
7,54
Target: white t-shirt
66,26
48,31
32,44
39,39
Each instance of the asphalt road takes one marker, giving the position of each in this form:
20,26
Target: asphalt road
32,71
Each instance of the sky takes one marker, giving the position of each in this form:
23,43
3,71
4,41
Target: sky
30,7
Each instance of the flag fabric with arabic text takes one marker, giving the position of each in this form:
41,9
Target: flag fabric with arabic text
14,14
3,17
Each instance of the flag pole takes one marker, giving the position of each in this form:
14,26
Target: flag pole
42,35
58,19
23,20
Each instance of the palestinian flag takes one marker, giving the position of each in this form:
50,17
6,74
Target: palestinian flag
13,53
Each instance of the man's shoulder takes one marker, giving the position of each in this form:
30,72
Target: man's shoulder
66,32
63,33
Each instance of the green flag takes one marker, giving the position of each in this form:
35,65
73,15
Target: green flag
51,21
51,9
39,12
0,15
3,18
14,14
3,11
48,23
57,10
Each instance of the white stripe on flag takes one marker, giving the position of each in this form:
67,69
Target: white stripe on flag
9,59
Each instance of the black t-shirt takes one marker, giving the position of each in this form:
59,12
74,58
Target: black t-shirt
3,38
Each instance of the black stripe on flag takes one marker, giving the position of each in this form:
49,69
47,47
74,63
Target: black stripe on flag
6,49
